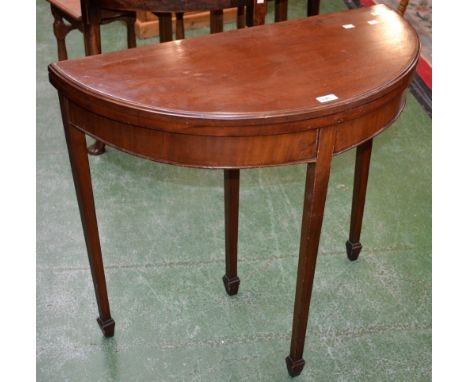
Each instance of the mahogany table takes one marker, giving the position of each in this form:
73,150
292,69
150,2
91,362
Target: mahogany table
294,92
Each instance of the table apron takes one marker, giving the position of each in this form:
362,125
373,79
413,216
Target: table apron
214,151
354,132
203,151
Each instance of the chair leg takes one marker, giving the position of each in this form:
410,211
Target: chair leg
131,36
92,39
361,175
92,42
76,144
240,17
216,21
180,30
314,204
249,14
313,7
60,32
281,10
231,216
165,26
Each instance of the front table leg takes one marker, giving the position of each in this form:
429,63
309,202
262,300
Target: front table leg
77,152
314,203
231,217
361,174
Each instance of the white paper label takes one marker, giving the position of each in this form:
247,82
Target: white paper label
327,98
260,1
348,26
372,22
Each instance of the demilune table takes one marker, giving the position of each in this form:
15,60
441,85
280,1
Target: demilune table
292,92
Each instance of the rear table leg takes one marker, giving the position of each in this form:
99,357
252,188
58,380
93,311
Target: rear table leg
361,175
231,216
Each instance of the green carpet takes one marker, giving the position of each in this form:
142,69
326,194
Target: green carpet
162,231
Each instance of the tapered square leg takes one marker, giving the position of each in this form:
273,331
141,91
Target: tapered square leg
231,217
107,327
76,144
294,366
353,250
231,285
361,175
314,204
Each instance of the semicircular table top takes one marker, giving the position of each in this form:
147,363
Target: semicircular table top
354,55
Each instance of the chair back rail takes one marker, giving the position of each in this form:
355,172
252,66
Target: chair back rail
249,12
170,5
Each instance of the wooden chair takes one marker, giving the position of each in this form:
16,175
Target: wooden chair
71,11
249,12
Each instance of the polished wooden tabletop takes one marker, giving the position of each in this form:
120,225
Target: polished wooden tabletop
258,75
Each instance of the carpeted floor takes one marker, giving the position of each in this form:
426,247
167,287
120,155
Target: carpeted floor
163,245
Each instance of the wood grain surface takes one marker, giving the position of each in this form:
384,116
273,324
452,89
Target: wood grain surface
258,73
